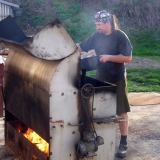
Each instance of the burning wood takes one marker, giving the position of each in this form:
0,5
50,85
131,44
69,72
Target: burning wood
40,143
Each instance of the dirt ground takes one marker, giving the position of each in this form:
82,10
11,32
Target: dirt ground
144,129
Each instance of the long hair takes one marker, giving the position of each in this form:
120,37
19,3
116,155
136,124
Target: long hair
114,23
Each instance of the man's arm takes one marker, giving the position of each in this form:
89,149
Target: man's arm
79,48
120,58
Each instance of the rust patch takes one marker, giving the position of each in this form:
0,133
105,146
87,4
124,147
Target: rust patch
80,112
59,121
111,145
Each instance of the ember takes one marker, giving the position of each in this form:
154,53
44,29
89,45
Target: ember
40,143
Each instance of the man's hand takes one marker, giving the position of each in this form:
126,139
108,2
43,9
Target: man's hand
104,58
79,48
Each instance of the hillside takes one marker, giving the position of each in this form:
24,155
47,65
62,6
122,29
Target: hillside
77,15
139,19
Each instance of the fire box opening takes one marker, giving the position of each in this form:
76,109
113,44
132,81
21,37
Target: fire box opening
35,139
24,141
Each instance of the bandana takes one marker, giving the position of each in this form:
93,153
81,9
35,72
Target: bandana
102,16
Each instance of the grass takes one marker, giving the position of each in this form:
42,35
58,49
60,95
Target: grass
145,43
143,80
140,79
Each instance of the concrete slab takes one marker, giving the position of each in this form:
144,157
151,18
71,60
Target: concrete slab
144,98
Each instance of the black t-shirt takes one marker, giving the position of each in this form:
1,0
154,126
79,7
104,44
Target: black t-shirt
113,44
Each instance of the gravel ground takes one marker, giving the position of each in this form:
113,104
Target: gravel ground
143,62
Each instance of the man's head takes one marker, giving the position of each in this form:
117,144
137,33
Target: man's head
102,16
105,22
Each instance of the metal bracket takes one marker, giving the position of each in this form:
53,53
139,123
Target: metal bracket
113,119
73,125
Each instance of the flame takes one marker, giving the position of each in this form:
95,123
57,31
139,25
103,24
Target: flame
40,143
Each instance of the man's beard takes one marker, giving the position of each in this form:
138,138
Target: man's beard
101,31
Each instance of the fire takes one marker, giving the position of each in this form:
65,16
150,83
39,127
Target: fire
40,143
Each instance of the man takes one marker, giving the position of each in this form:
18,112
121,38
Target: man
113,49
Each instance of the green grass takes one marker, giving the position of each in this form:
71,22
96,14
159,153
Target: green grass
146,42
140,79
143,80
